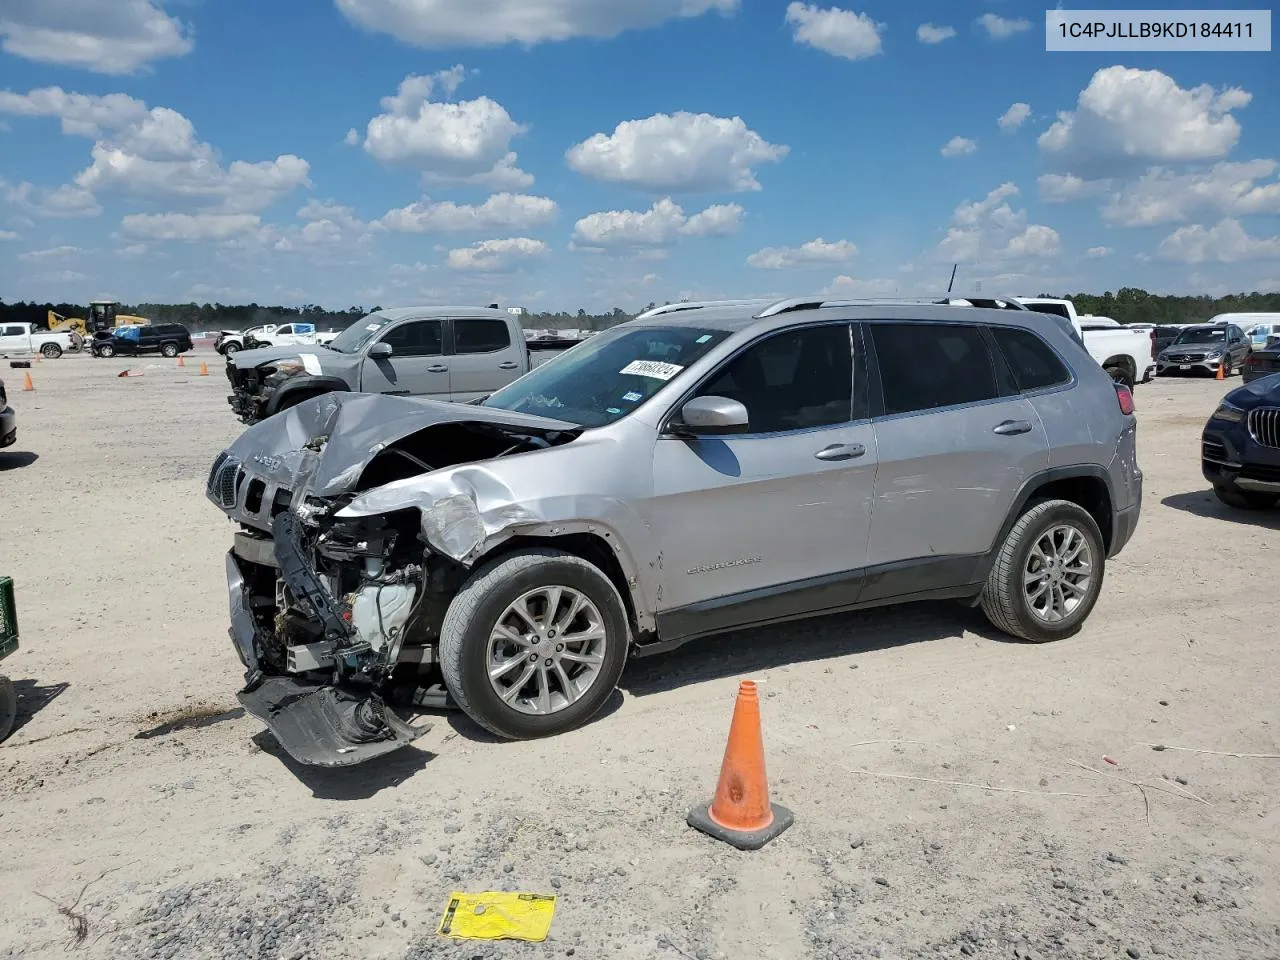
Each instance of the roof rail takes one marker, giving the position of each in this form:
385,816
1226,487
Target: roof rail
698,305
792,304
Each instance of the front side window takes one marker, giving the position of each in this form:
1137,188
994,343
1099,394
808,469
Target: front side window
794,380
480,335
418,338
606,377
1034,364
928,365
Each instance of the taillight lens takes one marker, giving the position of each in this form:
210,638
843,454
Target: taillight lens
1124,396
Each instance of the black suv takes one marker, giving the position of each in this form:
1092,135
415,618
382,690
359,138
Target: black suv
168,339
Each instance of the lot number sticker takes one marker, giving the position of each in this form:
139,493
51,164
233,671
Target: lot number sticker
651,368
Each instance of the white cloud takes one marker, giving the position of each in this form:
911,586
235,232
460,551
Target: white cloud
1096,253
1226,242
1134,115
660,225
719,220
998,28
133,251
60,276
841,33
931,33
1224,190
1267,286
53,253
325,224
959,147
189,227
809,254
114,37
854,287
990,231
1015,116
682,151
65,202
464,141
456,23
82,115
502,211
8,235
352,138
1059,188
497,256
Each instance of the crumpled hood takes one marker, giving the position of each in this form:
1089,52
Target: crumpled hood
357,427
246,359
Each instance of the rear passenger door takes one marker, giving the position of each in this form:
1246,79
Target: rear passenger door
484,358
955,442
417,365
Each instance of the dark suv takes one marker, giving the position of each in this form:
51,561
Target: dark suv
167,339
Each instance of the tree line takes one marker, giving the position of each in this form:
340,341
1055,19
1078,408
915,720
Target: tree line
1127,305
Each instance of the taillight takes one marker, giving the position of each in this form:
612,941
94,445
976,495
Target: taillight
1124,396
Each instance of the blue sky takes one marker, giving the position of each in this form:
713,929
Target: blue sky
559,154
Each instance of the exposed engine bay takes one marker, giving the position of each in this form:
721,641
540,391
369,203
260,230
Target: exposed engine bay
335,617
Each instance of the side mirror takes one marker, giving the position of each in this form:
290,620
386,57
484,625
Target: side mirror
711,417
380,351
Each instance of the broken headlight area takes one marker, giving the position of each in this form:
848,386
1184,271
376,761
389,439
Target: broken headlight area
328,617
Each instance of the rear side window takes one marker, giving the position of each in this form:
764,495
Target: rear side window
928,365
1034,364
480,335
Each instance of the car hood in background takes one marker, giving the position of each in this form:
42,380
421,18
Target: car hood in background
245,359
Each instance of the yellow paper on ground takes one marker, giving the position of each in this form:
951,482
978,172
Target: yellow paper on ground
498,916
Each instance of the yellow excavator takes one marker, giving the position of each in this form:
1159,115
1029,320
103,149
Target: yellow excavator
103,316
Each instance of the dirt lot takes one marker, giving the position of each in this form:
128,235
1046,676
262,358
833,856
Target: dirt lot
134,772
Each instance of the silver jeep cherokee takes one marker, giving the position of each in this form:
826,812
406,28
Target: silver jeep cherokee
702,468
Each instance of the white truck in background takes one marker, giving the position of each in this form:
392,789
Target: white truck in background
19,339
272,335
1127,353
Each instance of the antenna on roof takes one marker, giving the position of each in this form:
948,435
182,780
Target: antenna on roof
953,276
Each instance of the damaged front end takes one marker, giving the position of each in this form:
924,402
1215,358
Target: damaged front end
335,618
254,386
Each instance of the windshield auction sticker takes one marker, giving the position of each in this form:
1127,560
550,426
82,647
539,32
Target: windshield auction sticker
651,368
1158,31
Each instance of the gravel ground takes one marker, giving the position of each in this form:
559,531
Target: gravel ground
136,785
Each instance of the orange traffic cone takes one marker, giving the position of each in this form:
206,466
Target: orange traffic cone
27,384
741,814
1220,375
181,362
204,369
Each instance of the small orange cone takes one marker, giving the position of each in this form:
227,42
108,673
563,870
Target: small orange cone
204,369
27,384
741,814
181,362
1219,375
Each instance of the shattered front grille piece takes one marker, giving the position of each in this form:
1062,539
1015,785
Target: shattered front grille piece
224,480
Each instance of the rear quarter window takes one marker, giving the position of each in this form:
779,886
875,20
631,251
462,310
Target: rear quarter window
1034,364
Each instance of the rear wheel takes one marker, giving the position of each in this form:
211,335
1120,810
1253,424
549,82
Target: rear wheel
1121,375
1048,573
1233,496
51,351
534,643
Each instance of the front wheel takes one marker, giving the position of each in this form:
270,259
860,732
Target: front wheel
169,350
51,351
534,643
1048,573
1244,499
106,350
230,349
1227,368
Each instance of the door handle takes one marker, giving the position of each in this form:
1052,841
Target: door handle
1012,427
508,365
841,451
437,368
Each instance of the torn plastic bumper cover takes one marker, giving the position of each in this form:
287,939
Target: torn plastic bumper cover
338,721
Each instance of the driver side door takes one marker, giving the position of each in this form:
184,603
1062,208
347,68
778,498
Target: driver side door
416,366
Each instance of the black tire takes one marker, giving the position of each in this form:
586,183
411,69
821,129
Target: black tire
1227,368
1004,599
1233,496
8,707
169,350
106,350
464,638
1121,375
50,351
230,349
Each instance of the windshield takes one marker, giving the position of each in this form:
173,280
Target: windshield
353,339
606,377
1202,335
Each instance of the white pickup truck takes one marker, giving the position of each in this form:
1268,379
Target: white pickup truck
18,339
1124,352
272,335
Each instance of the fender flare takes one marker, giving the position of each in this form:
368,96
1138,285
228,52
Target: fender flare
311,385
